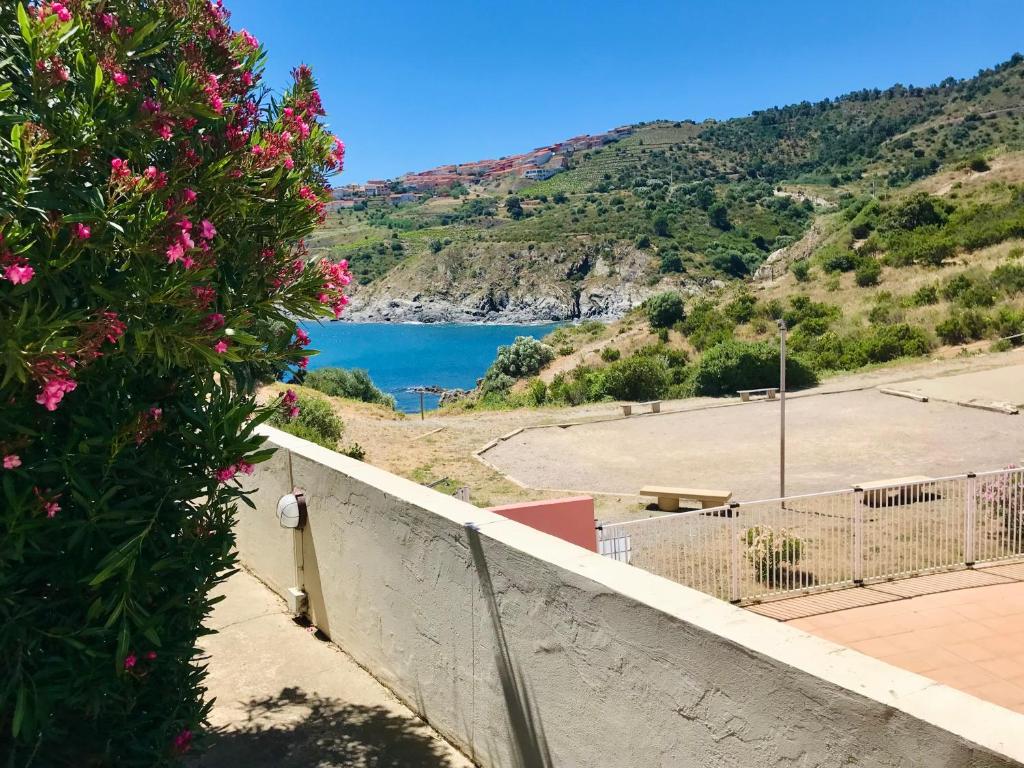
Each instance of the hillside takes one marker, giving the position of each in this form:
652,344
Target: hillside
679,205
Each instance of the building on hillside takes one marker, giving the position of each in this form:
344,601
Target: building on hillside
376,188
403,197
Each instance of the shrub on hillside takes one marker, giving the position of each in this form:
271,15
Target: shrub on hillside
152,200
837,259
1009,278
664,309
638,377
924,296
523,357
801,270
867,272
735,365
610,354
1009,321
741,309
707,325
961,326
316,422
354,384
892,341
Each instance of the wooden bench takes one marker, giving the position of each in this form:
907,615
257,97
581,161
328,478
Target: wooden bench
668,498
655,406
769,393
897,490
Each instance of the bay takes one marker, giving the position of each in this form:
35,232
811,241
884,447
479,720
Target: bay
403,355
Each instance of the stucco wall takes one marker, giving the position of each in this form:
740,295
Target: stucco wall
525,650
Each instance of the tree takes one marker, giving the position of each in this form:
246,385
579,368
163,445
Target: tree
718,216
514,207
665,309
660,225
152,204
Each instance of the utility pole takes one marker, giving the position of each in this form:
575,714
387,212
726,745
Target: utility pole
782,408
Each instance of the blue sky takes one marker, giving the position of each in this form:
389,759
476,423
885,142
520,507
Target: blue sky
409,85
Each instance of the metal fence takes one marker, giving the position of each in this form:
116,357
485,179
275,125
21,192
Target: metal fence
763,549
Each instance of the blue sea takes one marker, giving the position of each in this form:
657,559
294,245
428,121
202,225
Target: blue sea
403,355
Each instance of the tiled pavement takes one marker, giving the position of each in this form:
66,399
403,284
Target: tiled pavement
964,629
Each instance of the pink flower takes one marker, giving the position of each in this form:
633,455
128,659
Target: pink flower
82,232
220,347
290,398
53,392
207,230
225,474
51,508
293,412
289,164
248,39
189,195
301,337
12,461
183,741
120,79
106,22
212,322
19,274
303,363
246,468
130,661
175,253
151,655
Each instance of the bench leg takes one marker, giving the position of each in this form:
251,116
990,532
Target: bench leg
745,397
771,395
656,408
627,410
668,503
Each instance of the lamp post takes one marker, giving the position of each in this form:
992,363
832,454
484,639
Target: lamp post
782,408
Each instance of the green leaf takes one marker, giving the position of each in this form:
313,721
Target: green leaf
25,24
6,91
20,706
142,34
97,80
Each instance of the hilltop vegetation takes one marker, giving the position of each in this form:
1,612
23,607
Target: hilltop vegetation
691,207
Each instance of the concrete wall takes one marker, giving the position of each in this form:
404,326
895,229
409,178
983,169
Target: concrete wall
525,650
569,519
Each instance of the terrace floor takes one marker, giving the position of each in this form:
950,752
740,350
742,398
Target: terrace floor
963,628
285,698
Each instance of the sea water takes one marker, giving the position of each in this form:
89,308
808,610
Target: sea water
404,355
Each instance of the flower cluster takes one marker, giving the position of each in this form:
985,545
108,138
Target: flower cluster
336,276
228,473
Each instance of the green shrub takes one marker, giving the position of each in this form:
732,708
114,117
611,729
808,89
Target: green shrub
741,309
523,357
664,309
638,377
970,289
978,164
1009,321
354,384
610,354
801,270
316,422
707,325
893,341
802,309
355,451
152,280
961,326
735,365
867,272
924,296
837,259
537,392
1009,278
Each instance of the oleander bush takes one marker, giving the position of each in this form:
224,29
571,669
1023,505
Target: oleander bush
153,199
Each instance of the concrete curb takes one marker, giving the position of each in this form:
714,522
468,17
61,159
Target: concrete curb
903,393
988,405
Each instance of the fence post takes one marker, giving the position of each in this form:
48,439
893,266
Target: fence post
734,552
970,518
858,536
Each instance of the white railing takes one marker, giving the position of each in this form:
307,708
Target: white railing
764,549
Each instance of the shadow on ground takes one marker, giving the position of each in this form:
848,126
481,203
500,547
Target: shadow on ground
299,730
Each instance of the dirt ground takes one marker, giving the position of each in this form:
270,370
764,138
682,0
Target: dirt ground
838,433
